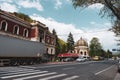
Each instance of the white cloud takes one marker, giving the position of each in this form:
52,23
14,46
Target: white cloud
62,29
96,25
106,37
31,4
58,4
9,1
68,0
95,6
92,22
8,7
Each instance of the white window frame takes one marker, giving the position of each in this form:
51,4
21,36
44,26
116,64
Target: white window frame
17,29
25,35
5,26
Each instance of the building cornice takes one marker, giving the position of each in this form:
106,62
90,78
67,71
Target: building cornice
14,36
15,19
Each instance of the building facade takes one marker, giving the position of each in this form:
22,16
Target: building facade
81,47
12,26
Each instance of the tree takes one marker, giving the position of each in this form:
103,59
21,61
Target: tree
57,45
23,16
60,45
111,9
108,54
70,42
95,48
63,46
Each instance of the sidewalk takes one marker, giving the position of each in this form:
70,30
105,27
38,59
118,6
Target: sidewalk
117,77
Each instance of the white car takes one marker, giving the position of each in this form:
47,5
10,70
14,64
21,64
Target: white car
81,59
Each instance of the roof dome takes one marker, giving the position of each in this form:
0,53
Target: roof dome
81,42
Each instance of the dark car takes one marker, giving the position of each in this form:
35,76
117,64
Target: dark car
119,65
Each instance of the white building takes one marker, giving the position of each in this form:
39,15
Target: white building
81,47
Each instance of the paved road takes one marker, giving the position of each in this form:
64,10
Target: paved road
100,70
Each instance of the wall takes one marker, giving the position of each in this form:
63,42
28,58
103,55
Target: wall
10,46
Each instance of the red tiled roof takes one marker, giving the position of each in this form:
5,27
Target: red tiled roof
68,55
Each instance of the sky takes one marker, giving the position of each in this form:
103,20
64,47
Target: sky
64,18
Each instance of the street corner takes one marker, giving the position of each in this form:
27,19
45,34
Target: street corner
117,77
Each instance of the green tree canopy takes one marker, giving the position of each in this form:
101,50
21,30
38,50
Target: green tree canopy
95,47
111,9
70,42
57,45
60,45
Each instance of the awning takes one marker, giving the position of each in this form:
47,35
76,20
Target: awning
68,55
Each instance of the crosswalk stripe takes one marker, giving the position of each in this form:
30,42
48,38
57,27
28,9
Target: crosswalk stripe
15,70
11,68
5,77
27,67
20,72
23,73
71,78
51,77
46,74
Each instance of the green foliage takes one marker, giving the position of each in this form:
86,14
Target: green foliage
111,9
63,46
108,54
23,16
70,42
95,48
60,45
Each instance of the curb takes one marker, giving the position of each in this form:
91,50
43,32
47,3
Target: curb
117,77
57,62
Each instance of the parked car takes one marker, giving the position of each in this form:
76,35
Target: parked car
81,59
119,65
96,58
68,59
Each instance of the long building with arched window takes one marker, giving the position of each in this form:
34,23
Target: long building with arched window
19,38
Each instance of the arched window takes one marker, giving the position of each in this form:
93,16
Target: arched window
81,53
4,25
25,33
16,29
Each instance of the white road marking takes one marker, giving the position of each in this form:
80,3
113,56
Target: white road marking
51,77
20,72
66,64
104,70
14,69
5,77
68,68
27,67
35,76
71,78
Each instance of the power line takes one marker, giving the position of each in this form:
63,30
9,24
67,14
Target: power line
84,32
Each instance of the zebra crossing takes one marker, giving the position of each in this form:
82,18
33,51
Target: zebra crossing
21,73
